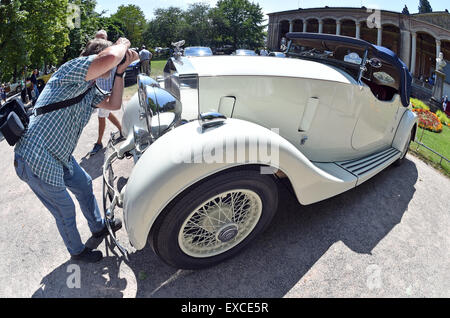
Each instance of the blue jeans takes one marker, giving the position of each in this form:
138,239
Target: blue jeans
36,92
58,201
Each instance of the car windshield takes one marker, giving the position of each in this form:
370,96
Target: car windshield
197,51
245,52
342,55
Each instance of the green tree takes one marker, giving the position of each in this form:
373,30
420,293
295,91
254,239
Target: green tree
113,27
424,6
89,25
167,26
198,25
239,23
13,50
46,31
133,20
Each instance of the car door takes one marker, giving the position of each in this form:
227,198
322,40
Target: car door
379,108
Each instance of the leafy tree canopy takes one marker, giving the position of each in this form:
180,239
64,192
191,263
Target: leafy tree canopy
168,26
425,6
133,20
239,23
35,33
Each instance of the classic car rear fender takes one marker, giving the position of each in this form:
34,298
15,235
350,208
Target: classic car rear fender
190,153
407,124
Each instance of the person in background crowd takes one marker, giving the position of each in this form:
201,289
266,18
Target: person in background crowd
44,154
33,80
106,85
3,93
264,52
145,56
445,103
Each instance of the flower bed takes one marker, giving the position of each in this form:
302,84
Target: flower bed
428,120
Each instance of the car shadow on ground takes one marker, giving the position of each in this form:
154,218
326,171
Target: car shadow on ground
93,164
297,238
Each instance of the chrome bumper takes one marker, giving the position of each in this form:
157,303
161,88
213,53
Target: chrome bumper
111,195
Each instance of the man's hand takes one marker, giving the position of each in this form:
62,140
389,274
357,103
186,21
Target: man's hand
131,56
123,41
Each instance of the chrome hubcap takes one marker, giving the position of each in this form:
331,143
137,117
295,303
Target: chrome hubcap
227,233
220,223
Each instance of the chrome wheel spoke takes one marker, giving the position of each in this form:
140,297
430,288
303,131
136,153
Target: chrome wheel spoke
220,223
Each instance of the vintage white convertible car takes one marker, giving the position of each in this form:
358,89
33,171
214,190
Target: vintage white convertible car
212,139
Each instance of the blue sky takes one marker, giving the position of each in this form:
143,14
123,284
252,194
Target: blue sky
148,6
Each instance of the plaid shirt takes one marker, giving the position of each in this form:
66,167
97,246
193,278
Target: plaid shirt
107,84
50,139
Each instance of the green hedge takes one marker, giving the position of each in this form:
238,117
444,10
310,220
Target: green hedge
417,103
443,117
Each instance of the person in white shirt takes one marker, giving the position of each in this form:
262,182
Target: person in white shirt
264,52
106,85
145,56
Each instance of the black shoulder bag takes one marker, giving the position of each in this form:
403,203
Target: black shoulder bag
14,118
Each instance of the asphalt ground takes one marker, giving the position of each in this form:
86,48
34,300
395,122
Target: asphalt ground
388,237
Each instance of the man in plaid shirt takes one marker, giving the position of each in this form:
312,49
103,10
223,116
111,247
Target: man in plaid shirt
43,156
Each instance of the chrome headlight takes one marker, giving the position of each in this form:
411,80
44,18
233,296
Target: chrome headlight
160,108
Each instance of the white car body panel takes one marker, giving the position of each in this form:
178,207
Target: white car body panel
267,66
331,124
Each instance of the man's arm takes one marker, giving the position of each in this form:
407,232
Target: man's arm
114,101
107,59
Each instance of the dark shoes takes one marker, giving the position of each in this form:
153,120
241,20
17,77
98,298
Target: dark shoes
116,140
93,256
116,225
88,256
97,148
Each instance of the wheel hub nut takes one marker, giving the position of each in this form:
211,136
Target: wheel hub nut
227,233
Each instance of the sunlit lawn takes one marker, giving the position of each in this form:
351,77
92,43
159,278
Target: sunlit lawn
158,67
439,142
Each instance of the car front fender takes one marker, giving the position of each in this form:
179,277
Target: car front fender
188,154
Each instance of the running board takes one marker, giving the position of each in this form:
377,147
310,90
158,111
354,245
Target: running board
367,167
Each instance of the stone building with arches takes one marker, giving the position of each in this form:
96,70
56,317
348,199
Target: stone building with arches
416,38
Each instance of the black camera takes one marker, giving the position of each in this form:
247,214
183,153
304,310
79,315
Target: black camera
125,56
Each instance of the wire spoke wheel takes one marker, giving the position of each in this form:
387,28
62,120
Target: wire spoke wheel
215,219
220,223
